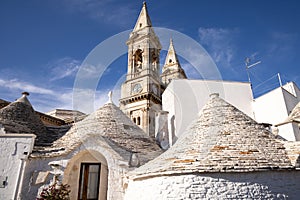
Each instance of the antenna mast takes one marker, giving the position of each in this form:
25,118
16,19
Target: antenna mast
279,79
247,62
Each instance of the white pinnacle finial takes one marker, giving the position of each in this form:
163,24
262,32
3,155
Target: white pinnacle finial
110,97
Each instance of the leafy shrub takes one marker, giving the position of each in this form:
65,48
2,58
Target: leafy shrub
55,191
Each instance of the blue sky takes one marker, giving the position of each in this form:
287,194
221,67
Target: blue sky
43,43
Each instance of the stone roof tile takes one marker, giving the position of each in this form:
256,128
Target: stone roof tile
293,151
110,124
221,139
20,117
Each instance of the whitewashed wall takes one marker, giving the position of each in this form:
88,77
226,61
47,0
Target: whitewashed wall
183,99
259,185
14,150
274,108
37,171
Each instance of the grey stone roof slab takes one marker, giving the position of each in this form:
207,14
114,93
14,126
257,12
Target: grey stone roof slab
222,139
107,124
20,117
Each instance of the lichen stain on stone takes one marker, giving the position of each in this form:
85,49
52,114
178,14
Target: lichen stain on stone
219,148
245,152
185,161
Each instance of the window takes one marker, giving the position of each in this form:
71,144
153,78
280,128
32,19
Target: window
89,181
138,121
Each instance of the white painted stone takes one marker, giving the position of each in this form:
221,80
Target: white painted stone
274,108
14,149
259,185
2,130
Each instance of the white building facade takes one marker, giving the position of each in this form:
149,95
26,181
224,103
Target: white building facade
274,108
271,108
15,149
183,99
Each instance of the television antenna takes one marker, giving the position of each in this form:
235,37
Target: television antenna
248,66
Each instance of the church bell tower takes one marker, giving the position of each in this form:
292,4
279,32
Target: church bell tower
141,92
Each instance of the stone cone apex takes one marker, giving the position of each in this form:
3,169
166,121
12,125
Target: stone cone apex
20,117
24,99
109,123
222,139
143,19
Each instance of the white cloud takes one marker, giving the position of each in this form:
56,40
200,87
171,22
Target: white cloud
90,71
190,71
87,100
24,86
200,65
220,43
63,68
108,11
42,99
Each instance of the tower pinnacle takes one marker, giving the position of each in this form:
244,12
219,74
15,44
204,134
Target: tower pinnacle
143,19
172,68
171,58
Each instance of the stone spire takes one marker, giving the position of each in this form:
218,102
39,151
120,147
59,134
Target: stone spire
143,19
172,68
171,58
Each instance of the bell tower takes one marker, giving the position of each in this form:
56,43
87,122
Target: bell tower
141,92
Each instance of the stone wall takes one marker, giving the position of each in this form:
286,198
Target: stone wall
256,185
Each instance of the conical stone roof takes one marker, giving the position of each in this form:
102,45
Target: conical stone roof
20,117
110,124
222,139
